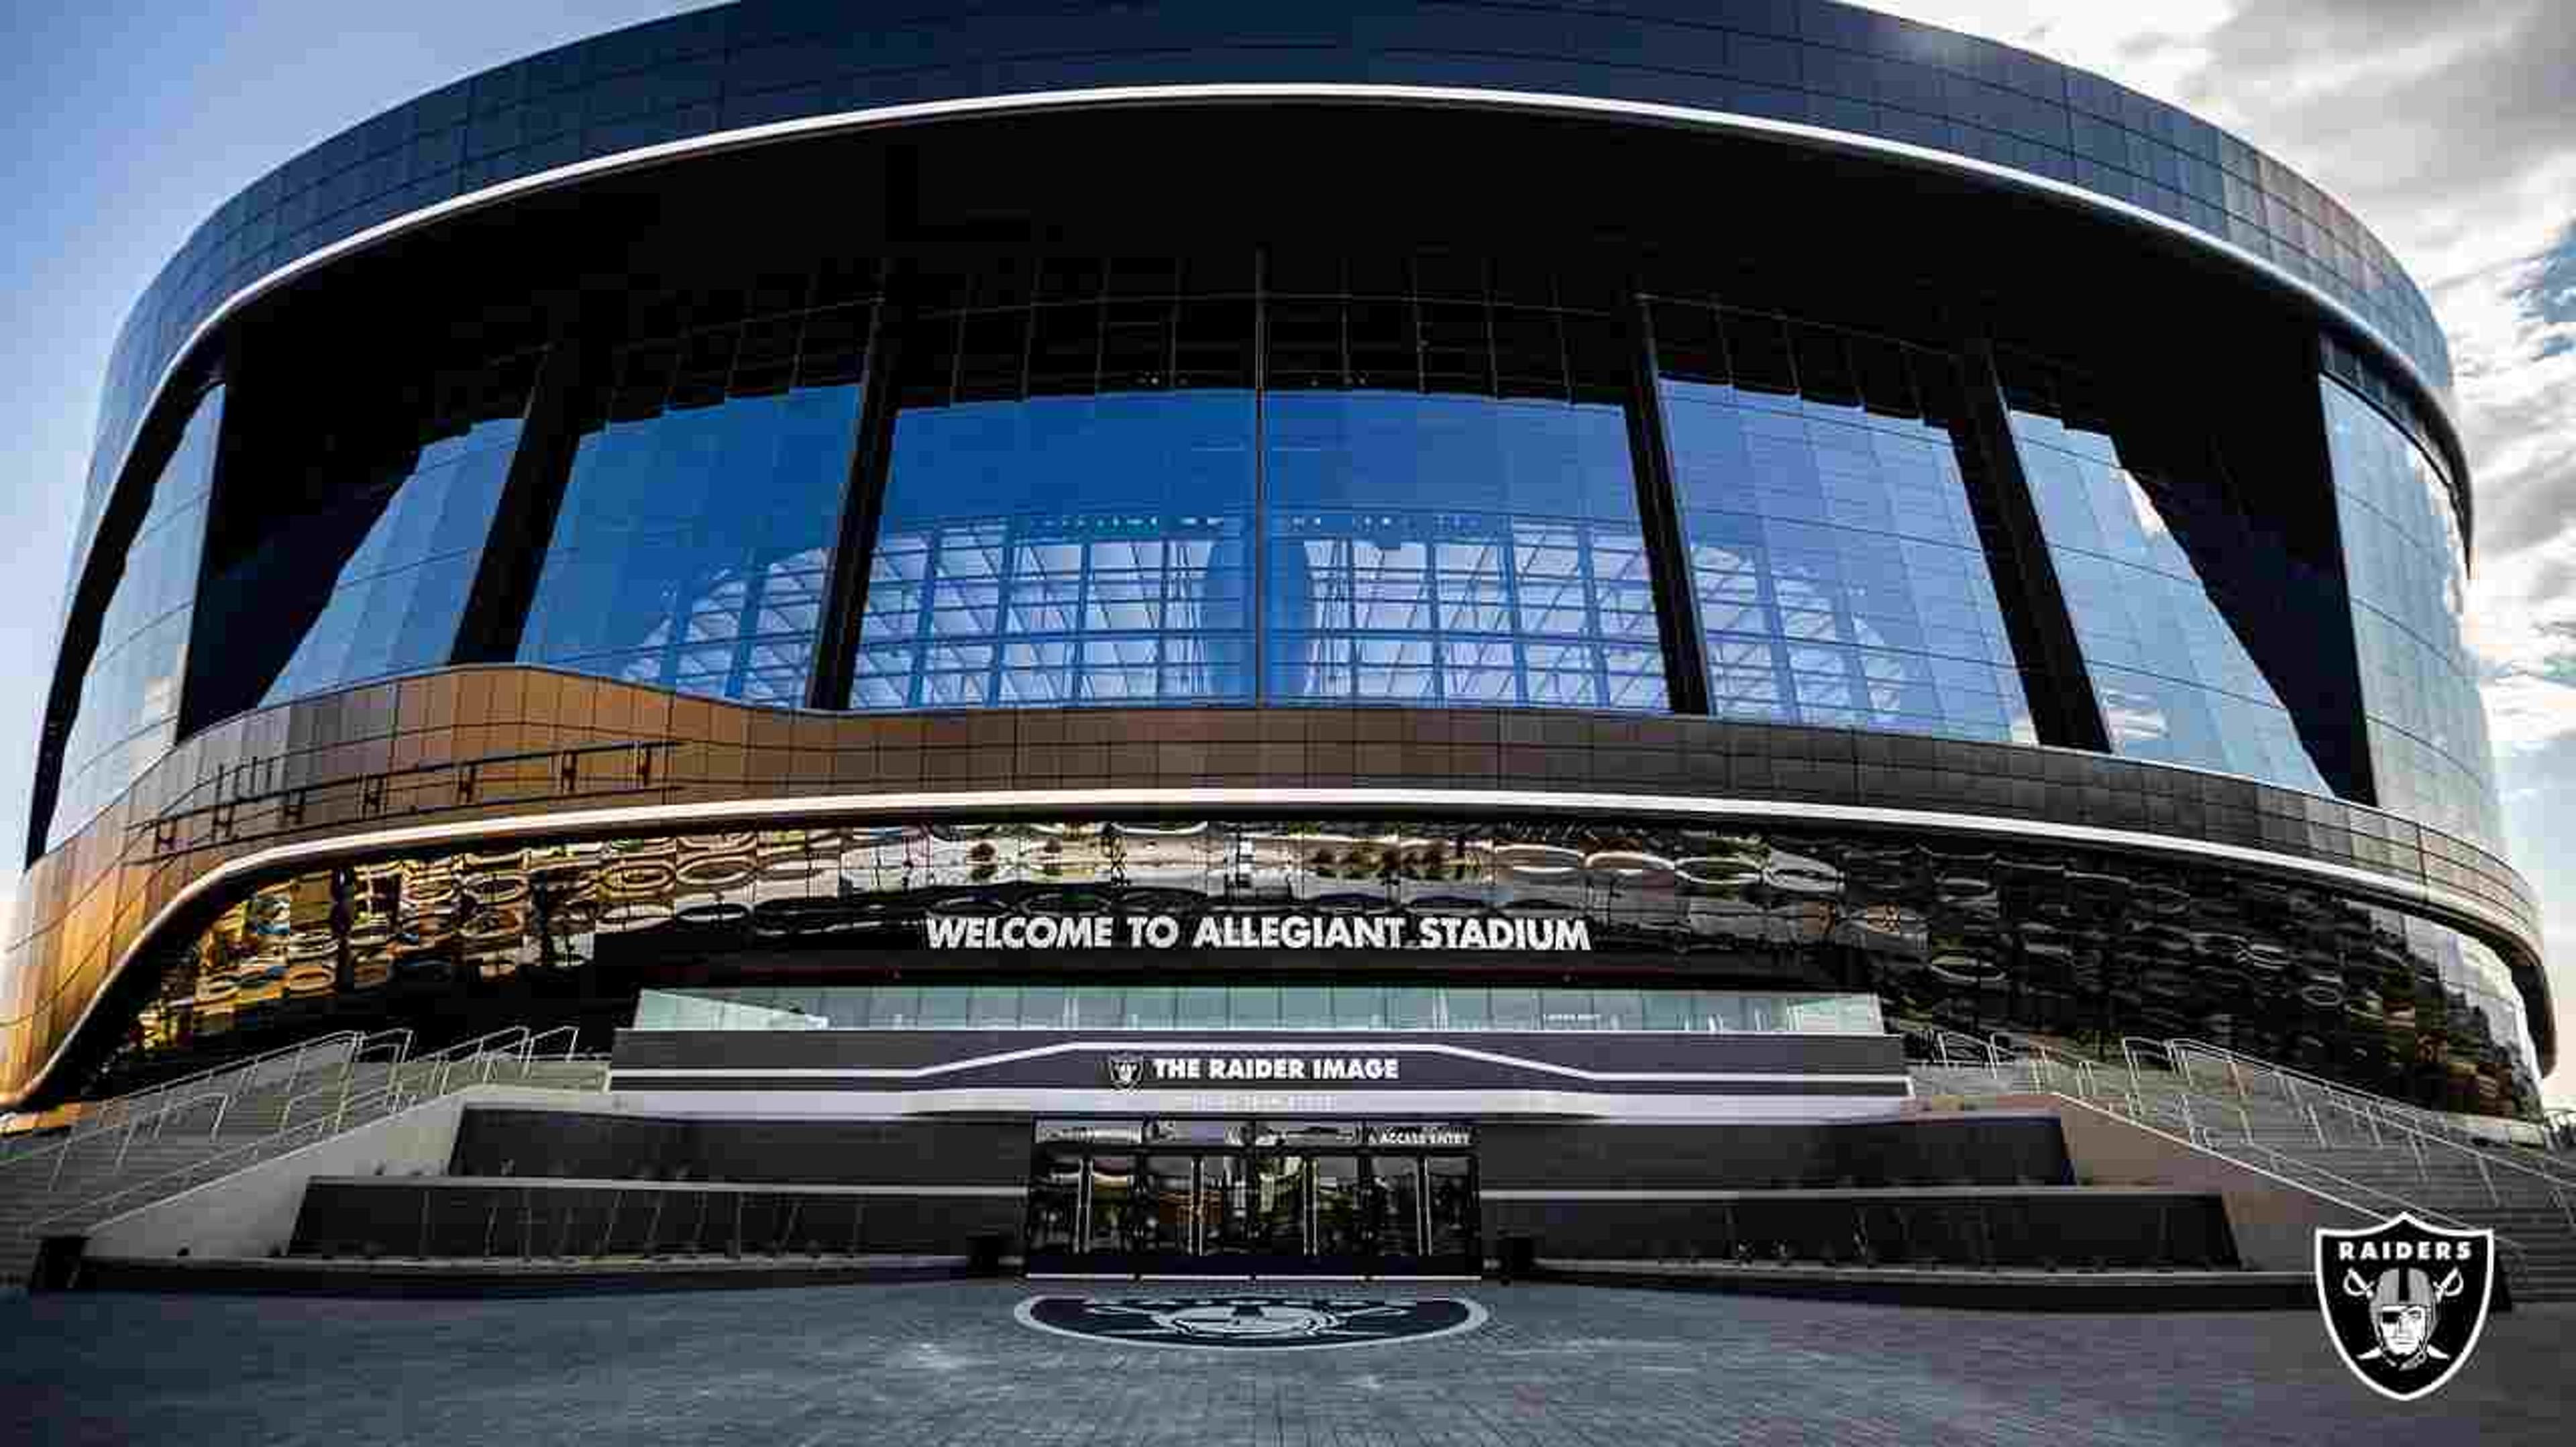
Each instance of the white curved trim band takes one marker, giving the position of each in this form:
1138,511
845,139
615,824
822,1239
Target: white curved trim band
1692,117
2474,914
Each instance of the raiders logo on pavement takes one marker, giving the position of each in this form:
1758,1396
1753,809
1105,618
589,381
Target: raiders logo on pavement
1251,1321
2405,1301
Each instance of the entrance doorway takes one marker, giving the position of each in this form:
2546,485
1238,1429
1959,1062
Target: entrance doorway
1253,1198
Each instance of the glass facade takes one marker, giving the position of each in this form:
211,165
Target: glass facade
1451,512
1049,1006
2168,585
1836,569
1685,929
1439,483
1069,506
764,61
128,713
695,534
2407,565
361,554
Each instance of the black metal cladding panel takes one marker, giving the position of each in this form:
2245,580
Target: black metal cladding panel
1453,1061
767,61
581,1145
2104,1227
1986,1150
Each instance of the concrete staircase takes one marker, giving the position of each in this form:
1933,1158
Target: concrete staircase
2329,1142
234,1120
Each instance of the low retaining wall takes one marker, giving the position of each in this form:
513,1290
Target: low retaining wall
2274,1222
1962,1226
528,1218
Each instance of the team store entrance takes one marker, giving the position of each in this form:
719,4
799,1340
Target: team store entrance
1245,1198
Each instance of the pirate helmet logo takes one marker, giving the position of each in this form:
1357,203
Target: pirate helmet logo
2405,1301
1126,1070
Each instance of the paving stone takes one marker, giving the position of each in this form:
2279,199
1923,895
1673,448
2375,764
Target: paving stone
945,1363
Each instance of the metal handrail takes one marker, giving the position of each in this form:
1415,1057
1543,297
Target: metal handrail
571,1034
2437,1122
394,1096
61,1150
240,1157
2487,1160
447,1057
2280,1158
1988,1059
99,1111
2041,1058
2132,1046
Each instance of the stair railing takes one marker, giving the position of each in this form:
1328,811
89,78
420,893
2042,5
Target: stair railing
2295,1173
572,1042
2135,1047
2044,1059
60,1152
476,1057
1978,1054
2360,1102
2297,1084
106,1114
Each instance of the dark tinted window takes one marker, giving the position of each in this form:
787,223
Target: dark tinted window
695,533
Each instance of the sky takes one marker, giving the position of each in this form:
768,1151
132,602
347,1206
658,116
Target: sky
2449,128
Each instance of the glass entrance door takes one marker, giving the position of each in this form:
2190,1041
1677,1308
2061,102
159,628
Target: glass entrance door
1341,1218
1449,1201
1168,1219
1252,1198
1397,1184
1280,1202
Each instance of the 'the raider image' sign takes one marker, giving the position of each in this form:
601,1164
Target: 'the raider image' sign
2404,1301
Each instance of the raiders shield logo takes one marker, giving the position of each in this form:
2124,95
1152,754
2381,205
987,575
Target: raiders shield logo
2404,1301
1126,1070
1251,1321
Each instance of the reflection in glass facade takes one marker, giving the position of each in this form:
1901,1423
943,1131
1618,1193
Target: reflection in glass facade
1439,484
695,534
1455,549
2166,583
1056,1006
2069,947
1835,564
373,580
2407,566
1068,509
129,694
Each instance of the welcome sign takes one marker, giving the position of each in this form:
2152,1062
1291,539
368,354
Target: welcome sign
1257,932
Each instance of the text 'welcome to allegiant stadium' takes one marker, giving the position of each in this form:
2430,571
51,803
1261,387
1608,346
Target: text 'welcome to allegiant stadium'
1254,932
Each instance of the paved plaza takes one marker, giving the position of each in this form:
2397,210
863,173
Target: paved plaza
946,1363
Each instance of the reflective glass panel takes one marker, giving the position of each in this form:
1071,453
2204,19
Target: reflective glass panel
1455,549
1063,550
695,534
1835,563
128,711
2168,584
2403,554
372,579
1069,503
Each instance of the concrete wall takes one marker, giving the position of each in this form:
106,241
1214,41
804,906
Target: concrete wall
2274,1222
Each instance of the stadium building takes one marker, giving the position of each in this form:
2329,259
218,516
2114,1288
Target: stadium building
1274,635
